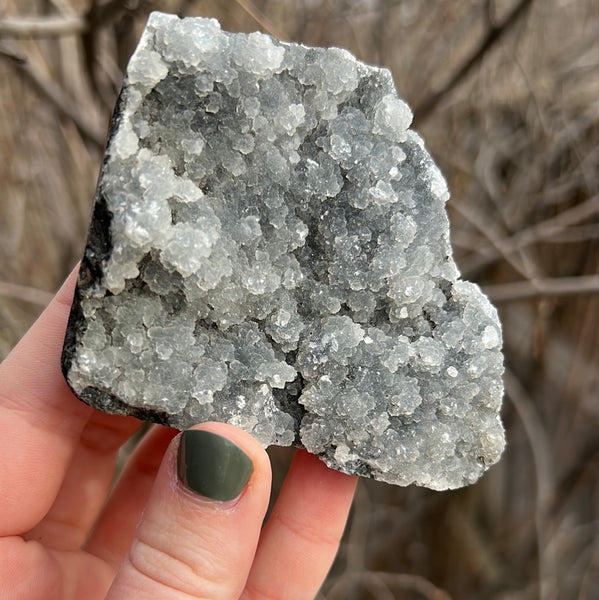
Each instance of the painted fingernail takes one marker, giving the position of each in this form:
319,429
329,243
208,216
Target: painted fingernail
212,466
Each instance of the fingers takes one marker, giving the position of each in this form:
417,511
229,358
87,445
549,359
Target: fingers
297,546
40,419
116,525
58,454
86,484
301,538
200,527
31,571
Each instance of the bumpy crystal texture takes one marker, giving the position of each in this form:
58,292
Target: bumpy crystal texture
270,248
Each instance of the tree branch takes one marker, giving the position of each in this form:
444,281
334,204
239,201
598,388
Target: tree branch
267,25
535,233
54,94
494,35
559,286
41,27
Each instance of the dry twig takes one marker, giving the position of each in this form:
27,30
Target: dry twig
494,34
535,233
41,27
54,94
581,285
267,25
497,242
542,459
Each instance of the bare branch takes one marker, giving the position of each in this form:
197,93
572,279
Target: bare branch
497,242
494,35
578,234
41,27
53,93
559,286
100,16
267,25
544,473
541,231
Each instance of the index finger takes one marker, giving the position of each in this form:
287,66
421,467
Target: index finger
40,419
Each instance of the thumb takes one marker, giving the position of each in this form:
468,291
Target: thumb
198,534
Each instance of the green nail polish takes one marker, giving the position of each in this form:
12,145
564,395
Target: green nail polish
212,466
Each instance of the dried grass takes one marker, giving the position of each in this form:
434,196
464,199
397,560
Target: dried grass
518,140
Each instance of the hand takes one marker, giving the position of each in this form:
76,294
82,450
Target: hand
64,536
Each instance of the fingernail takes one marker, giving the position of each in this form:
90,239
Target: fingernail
212,466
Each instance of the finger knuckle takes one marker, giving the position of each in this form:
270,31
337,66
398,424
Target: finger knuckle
163,566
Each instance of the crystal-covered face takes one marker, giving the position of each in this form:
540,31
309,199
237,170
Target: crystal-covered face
275,254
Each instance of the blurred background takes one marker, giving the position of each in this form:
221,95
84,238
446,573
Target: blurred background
506,95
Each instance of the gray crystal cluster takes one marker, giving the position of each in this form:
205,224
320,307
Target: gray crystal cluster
269,248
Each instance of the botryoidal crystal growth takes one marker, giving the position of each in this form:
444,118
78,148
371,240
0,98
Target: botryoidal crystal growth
269,247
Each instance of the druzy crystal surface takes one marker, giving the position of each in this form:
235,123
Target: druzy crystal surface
269,247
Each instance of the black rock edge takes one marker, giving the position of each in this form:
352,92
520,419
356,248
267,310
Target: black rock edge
97,251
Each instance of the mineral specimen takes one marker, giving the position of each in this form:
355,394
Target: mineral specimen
269,247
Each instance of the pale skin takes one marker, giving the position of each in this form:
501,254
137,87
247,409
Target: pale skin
63,536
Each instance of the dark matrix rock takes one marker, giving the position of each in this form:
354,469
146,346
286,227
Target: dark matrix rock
270,248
